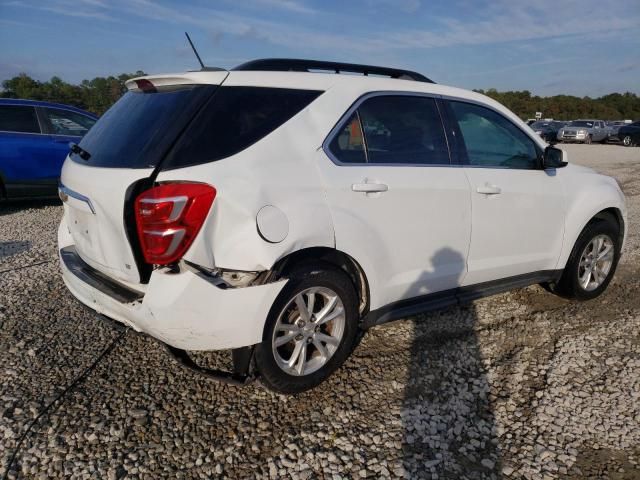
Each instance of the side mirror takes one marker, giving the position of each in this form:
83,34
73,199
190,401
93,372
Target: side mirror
553,158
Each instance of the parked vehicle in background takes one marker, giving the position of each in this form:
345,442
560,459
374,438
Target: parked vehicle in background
34,141
629,134
280,212
612,130
583,131
548,130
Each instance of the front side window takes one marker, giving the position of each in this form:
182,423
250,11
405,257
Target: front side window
17,118
65,122
393,129
493,141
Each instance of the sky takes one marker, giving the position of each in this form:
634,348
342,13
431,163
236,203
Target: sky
585,47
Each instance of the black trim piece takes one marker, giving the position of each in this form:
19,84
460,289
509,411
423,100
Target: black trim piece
301,65
240,377
96,279
130,228
456,296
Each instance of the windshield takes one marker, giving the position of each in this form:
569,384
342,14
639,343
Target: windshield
141,127
581,123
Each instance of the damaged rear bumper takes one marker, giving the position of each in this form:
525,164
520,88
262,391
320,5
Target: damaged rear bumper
183,310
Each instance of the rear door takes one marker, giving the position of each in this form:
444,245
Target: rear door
518,208
24,152
398,206
119,155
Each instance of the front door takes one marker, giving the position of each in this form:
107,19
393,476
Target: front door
399,208
518,208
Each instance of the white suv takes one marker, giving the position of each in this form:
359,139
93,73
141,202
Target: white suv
278,211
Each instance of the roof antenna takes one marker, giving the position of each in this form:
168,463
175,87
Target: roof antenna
194,50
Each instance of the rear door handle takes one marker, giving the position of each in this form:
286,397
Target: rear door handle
369,187
488,189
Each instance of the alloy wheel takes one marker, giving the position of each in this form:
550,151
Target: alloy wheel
308,331
595,262
627,141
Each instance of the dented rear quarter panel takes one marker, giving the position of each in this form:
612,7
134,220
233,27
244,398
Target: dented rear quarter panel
264,174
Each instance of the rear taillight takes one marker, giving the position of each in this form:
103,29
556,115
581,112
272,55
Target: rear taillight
169,217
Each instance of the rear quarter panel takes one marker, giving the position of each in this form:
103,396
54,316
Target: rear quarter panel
278,170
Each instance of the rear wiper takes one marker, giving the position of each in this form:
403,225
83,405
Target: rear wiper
75,148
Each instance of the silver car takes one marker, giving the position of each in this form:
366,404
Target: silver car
584,131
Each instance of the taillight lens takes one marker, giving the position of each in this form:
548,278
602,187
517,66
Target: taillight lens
169,217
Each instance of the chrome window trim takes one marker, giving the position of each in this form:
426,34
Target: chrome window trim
354,107
65,191
22,133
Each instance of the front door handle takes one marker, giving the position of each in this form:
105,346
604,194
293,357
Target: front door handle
488,189
369,187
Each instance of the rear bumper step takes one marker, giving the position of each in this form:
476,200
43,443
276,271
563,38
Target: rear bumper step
95,279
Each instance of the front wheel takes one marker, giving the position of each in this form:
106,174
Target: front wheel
592,262
310,331
587,140
626,141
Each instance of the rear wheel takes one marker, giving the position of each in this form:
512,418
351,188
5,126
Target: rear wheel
626,141
310,331
592,262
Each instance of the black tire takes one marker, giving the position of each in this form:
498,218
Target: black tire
627,141
274,377
568,286
587,140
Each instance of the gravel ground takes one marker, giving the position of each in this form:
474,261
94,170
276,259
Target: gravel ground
520,385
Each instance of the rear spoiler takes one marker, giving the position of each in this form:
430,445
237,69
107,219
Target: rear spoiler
215,77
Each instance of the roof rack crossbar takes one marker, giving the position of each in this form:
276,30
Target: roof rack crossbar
299,65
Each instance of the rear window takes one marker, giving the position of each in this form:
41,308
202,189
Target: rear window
15,118
140,128
234,119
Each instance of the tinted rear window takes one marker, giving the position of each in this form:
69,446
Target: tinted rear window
14,118
140,128
234,119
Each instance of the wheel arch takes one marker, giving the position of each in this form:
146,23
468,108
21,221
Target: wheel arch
610,212
334,257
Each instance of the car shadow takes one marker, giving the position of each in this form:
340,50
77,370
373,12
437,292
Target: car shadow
448,419
8,207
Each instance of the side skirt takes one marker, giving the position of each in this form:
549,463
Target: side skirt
455,296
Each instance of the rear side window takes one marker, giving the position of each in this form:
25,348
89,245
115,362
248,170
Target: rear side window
140,128
348,145
66,122
234,119
17,118
393,129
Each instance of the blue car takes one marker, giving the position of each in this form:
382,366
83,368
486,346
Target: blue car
34,141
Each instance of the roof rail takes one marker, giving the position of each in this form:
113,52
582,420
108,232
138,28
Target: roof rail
300,65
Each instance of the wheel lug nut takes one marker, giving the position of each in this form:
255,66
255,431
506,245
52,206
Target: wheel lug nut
298,337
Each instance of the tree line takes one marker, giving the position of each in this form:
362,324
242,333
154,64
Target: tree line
99,94
95,95
614,106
